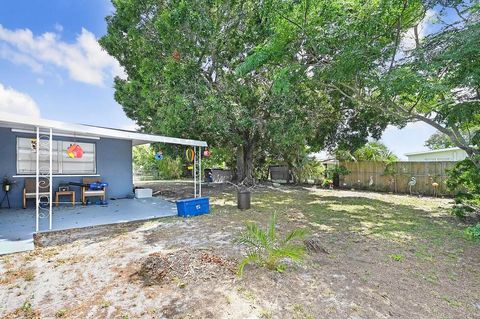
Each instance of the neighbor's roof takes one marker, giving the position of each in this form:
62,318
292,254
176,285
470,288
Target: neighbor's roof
29,124
324,157
441,150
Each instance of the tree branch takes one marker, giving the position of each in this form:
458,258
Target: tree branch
453,132
289,20
417,40
459,13
397,37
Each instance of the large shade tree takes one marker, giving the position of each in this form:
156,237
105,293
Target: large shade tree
362,51
438,81
236,74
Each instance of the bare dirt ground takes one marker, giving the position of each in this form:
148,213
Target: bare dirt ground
382,256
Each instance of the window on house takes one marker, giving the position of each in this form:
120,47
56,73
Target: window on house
61,162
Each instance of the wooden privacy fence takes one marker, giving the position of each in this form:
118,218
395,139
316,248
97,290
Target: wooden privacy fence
395,177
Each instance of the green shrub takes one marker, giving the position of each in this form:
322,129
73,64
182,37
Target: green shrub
265,249
464,177
459,211
327,182
464,180
337,170
169,168
144,163
308,169
473,232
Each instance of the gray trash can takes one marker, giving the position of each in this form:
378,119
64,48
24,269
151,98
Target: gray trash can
243,199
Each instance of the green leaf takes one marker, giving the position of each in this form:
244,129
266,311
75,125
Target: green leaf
271,227
264,249
298,233
250,258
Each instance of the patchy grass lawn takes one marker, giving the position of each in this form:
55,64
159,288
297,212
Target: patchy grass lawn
384,256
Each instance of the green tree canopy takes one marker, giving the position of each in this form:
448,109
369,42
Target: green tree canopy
438,82
438,141
372,151
236,73
359,50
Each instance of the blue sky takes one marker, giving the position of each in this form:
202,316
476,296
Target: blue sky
51,66
78,86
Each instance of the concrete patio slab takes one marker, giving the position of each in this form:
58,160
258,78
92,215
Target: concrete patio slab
17,226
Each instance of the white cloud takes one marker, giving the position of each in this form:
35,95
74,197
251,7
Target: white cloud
58,27
12,101
18,58
84,59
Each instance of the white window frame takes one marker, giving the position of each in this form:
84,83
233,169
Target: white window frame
59,156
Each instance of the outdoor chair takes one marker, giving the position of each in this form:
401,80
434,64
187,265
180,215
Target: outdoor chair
87,192
30,191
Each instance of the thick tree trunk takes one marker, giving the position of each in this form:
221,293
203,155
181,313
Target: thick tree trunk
240,165
245,164
248,156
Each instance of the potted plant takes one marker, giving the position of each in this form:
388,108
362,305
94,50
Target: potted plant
328,183
7,183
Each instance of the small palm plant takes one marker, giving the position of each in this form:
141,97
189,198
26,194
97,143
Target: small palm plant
266,250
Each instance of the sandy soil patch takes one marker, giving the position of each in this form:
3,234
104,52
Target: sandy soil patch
372,256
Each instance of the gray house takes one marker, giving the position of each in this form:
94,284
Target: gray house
108,158
39,152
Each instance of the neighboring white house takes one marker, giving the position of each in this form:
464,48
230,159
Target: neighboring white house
328,160
452,154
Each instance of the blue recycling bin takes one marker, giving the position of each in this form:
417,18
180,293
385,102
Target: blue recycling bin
193,206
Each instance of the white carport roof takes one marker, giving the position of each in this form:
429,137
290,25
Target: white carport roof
25,123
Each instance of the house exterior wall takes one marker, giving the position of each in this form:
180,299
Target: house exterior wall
445,155
113,159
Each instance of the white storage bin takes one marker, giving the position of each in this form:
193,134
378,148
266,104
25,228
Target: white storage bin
143,193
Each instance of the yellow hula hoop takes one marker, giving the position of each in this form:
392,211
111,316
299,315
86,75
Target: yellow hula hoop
190,154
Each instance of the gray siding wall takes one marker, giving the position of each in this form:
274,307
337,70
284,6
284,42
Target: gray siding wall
114,165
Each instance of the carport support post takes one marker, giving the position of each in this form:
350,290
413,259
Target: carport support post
200,175
195,172
37,156
51,180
